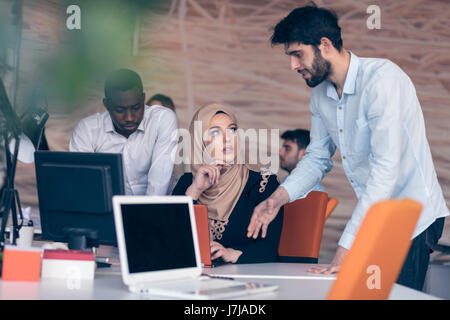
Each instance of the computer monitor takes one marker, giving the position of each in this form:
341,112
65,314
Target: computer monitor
75,193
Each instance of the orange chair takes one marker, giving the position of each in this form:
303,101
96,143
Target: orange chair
331,205
374,262
201,219
302,230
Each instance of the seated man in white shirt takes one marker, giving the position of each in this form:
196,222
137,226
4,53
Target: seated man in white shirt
146,137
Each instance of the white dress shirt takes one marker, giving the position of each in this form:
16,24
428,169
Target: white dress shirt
379,129
148,153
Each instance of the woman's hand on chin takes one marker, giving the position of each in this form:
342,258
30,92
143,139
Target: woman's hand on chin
207,175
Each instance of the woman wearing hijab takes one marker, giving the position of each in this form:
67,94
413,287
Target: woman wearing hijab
229,189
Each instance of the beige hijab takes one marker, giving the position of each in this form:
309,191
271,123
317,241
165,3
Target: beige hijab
220,198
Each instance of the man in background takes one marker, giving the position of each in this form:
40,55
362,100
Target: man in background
293,150
179,168
161,100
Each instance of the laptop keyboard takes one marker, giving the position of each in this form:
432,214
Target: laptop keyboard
201,287
203,283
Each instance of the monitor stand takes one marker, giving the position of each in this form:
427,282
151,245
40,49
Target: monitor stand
86,240
81,239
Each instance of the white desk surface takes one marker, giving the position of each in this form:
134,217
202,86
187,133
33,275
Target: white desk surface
293,281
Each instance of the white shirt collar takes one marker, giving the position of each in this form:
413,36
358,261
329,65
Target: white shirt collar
350,79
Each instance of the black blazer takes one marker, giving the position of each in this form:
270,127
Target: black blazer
235,234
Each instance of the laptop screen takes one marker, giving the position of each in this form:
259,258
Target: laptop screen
158,236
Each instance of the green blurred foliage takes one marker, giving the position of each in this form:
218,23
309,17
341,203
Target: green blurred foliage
103,43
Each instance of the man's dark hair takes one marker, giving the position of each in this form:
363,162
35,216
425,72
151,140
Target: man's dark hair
165,100
122,80
307,25
299,136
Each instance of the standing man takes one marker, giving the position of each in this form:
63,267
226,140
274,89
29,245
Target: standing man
146,137
368,108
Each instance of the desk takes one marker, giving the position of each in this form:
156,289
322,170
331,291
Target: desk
298,284
293,281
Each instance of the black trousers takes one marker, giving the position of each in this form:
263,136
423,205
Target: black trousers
416,263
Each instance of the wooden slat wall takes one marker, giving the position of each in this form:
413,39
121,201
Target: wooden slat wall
199,51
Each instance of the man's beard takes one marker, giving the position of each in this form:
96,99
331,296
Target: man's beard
285,166
320,69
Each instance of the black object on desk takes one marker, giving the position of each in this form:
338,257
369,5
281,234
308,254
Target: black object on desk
31,124
75,193
218,262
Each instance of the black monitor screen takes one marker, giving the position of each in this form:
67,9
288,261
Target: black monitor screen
75,191
158,236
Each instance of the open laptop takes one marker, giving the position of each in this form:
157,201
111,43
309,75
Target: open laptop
159,250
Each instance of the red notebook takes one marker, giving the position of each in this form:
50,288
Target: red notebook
60,254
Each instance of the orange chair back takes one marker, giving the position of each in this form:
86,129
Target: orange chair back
201,219
302,230
331,205
374,262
